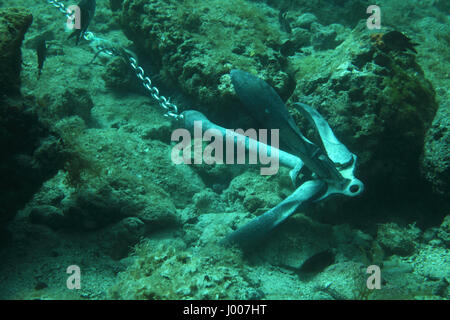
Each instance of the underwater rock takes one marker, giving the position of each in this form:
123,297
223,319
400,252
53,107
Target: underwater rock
47,215
432,263
340,281
159,213
97,204
194,48
346,12
443,5
14,22
442,288
94,205
398,240
300,38
208,201
296,240
444,231
324,38
395,40
64,102
115,4
288,48
305,20
254,192
217,176
124,235
122,159
436,158
378,103
111,175
118,76
30,156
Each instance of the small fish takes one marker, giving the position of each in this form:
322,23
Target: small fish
317,262
87,11
265,106
41,51
396,40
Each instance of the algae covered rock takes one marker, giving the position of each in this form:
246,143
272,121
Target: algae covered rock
195,43
95,202
254,192
377,101
347,12
444,231
30,152
47,215
398,240
168,269
115,4
124,235
65,102
14,22
118,76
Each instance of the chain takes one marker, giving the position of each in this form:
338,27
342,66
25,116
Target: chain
170,108
62,8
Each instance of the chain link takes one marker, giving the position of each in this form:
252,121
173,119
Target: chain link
170,108
62,8
89,36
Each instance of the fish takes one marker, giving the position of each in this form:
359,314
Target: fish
317,262
284,23
396,40
314,264
41,51
266,107
87,11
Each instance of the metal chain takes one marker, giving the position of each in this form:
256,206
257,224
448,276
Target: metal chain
171,109
62,8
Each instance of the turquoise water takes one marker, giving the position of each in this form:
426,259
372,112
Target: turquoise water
102,200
